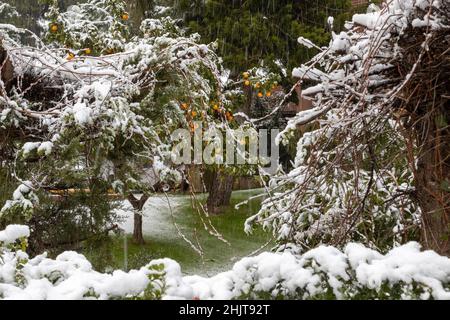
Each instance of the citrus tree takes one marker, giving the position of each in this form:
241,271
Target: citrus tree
90,110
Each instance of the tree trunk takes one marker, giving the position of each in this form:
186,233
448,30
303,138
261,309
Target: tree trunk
219,192
6,70
138,205
433,180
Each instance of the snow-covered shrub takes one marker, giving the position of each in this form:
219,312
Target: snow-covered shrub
322,273
69,276
356,272
22,204
361,171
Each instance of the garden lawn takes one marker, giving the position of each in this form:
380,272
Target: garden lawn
164,241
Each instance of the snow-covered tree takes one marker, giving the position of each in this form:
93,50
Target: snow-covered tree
375,164
91,111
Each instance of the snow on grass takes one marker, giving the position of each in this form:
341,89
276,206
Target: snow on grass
163,240
156,220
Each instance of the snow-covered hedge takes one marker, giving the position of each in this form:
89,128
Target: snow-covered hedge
322,273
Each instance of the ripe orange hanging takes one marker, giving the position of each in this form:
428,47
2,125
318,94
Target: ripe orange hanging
268,94
194,114
245,75
87,51
54,28
70,56
125,16
247,83
260,94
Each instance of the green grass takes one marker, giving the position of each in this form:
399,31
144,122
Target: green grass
120,252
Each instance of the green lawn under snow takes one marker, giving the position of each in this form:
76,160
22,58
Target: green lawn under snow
120,252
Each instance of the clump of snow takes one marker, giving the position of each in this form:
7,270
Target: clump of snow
82,114
330,22
28,147
368,20
45,148
306,42
23,199
21,191
340,43
14,232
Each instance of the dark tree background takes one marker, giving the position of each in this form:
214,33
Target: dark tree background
251,31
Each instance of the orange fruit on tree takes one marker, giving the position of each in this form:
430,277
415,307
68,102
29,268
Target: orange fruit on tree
268,94
54,28
125,16
260,94
245,75
70,56
257,85
193,113
247,83
87,51
216,107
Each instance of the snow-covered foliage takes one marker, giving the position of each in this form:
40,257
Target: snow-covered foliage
355,169
322,273
90,108
99,26
6,11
